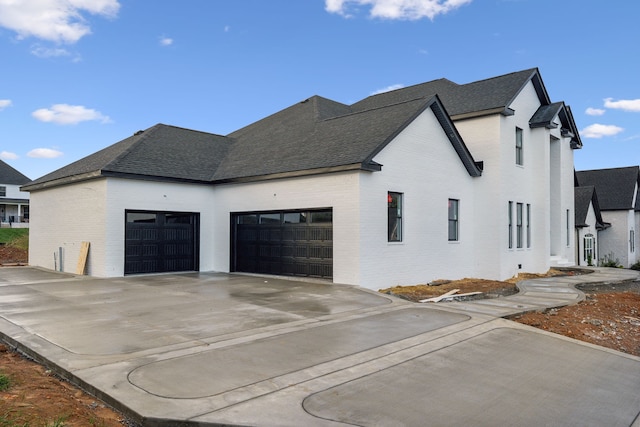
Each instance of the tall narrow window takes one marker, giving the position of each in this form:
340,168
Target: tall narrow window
3,191
394,208
510,225
528,225
568,230
519,225
519,148
632,240
453,219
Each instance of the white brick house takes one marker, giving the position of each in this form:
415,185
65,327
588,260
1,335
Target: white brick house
617,190
437,180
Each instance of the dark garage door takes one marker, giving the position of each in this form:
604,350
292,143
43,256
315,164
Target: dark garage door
158,242
290,243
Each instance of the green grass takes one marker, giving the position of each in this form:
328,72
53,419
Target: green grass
5,382
9,234
18,237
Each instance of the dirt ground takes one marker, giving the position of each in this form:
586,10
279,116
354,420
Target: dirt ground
609,317
37,398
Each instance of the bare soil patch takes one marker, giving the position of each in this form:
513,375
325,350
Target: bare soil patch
610,315
35,397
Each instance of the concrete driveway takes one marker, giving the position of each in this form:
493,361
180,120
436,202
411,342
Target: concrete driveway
219,349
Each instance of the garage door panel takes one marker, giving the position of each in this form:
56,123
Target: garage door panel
158,242
283,243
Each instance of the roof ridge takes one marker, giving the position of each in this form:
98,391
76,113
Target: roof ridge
380,107
142,135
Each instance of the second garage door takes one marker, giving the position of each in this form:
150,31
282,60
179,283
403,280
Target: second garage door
290,243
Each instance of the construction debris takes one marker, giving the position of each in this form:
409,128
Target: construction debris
452,294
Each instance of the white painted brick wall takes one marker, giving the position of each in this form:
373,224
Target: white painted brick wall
338,191
422,164
64,217
124,194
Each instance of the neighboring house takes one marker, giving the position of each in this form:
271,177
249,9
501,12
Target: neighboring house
437,180
617,191
588,223
14,203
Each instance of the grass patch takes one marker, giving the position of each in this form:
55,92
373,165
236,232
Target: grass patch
5,382
8,235
16,237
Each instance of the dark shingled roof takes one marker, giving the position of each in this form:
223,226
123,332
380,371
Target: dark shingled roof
584,196
302,138
313,136
615,187
159,152
496,93
10,176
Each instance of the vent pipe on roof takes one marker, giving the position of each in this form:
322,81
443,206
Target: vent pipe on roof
138,133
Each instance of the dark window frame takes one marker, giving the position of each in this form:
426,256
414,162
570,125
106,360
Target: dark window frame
519,225
394,216
454,220
510,225
519,147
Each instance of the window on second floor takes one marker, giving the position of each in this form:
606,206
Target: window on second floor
3,191
394,209
519,148
453,220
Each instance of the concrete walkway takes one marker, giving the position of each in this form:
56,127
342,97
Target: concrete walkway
217,349
541,294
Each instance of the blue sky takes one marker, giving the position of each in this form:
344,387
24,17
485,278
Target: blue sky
77,75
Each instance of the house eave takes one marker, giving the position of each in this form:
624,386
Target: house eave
62,181
365,166
505,111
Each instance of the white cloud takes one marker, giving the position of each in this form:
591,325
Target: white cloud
44,153
7,155
595,111
632,105
65,114
388,89
598,131
396,9
47,52
4,103
60,21
166,41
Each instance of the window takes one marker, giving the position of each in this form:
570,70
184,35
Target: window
568,230
528,225
453,219
519,225
632,241
519,153
589,251
3,191
510,225
394,208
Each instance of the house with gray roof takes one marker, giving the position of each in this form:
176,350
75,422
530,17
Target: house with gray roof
14,203
617,193
589,223
436,180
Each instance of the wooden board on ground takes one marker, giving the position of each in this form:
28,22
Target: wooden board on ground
82,259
